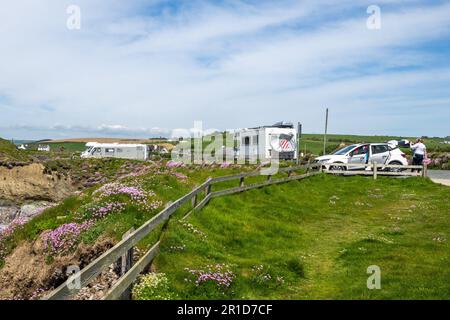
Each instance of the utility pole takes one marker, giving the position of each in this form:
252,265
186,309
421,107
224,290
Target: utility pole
299,136
326,131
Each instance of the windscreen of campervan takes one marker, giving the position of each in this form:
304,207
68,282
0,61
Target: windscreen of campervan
88,150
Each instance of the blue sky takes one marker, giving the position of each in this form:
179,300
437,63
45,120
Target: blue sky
146,67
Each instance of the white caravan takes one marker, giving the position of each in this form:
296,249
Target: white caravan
267,142
115,150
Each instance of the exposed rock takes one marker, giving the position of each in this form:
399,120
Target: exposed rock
7,214
29,182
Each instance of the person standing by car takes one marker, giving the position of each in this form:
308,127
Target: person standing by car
419,152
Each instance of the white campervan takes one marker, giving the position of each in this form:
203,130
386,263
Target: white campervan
267,142
115,150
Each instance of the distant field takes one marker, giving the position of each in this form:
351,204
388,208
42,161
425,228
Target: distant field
314,142
78,145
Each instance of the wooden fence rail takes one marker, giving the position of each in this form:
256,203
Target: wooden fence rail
85,276
66,290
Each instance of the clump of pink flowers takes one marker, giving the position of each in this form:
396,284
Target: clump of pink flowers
8,231
135,193
220,274
65,237
136,170
102,211
174,164
180,176
225,165
13,226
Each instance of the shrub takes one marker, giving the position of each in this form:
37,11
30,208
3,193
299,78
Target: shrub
212,282
65,237
153,286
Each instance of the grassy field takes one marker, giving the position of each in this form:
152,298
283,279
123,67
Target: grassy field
314,142
314,239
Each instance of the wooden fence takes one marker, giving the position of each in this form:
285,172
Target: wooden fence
67,290
123,251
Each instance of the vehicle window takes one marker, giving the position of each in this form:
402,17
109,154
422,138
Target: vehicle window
255,140
359,151
344,150
109,150
246,141
379,149
97,150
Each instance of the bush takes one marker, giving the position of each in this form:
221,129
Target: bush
153,286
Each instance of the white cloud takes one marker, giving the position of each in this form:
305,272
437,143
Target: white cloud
237,65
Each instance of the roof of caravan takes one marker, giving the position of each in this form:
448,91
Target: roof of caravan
114,145
269,127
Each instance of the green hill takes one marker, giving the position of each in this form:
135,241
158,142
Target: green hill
9,152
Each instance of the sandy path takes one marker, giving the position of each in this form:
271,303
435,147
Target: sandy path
440,176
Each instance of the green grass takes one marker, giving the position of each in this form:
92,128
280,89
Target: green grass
9,152
320,235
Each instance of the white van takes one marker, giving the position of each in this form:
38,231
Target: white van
115,150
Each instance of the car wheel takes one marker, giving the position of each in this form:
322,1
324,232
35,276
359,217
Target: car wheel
338,168
397,163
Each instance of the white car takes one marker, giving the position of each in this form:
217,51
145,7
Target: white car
382,153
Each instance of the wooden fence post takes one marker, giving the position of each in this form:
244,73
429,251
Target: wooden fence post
374,170
424,171
194,201
126,262
269,177
241,182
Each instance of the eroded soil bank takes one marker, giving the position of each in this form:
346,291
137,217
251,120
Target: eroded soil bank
27,272
32,183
